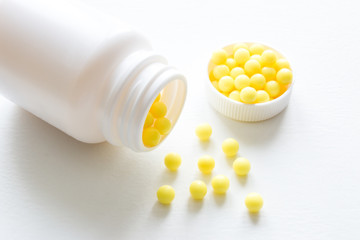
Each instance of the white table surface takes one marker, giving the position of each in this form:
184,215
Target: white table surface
305,161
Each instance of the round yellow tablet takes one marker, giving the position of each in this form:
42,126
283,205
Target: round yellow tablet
219,56
203,131
256,49
241,56
273,88
149,120
268,57
230,147
206,164
236,72
172,161
226,84
269,73
158,109
282,63
163,125
257,81
251,67
254,202
221,71
235,95
198,190
241,166
248,95
220,184
242,81
284,76
151,137
262,96
165,194
230,62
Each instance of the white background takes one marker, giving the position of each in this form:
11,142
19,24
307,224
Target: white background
305,161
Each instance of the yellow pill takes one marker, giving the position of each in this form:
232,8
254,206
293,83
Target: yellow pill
151,137
230,147
203,131
149,120
273,88
158,109
269,73
248,95
282,63
220,184
236,72
215,84
241,166
158,98
165,194
198,190
257,58
221,71
257,81
231,63
256,49
226,84
219,56
206,164
268,57
235,95
251,67
242,81
254,202
241,56
163,125
172,161
284,76
240,45
262,96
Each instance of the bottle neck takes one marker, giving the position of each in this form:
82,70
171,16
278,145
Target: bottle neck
135,84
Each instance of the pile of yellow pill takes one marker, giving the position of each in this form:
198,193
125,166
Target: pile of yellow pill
250,73
156,125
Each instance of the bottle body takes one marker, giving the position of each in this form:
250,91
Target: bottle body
64,64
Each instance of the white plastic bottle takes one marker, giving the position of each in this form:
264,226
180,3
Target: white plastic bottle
83,72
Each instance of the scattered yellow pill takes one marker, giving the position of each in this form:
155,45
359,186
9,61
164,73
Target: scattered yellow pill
242,81
230,147
163,125
158,109
203,131
256,49
206,164
235,95
262,96
284,76
269,73
220,184
172,161
251,67
254,202
273,88
241,56
240,45
268,57
219,56
149,120
221,71
258,81
236,72
248,95
226,84
198,190
165,194
215,84
231,63
151,137
282,63
241,166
